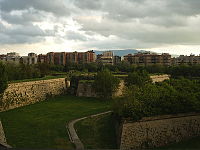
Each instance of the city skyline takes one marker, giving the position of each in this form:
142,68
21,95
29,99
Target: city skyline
66,25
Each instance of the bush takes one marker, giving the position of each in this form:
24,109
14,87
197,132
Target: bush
170,97
138,78
105,83
3,78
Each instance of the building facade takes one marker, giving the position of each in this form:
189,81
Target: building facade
117,60
31,59
186,60
42,58
107,58
146,59
64,58
10,57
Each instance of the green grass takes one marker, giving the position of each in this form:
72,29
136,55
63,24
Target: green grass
43,125
38,79
97,132
193,143
86,81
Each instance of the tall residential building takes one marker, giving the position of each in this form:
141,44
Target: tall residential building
186,60
107,58
64,58
117,60
146,59
3,57
32,58
108,54
50,58
10,57
60,58
86,57
71,57
13,57
42,58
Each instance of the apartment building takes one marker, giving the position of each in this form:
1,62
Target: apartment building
64,58
107,58
3,57
32,58
117,60
186,60
10,57
146,59
42,58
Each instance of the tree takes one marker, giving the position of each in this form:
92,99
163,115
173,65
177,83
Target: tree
3,78
138,78
105,83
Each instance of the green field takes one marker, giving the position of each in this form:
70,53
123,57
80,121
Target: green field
43,125
193,143
38,79
98,132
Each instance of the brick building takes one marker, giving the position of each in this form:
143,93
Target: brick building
42,58
64,58
186,60
107,58
146,59
32,58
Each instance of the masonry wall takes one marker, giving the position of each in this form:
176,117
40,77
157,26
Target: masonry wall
160,78
160,131
86,90
2,135
25,93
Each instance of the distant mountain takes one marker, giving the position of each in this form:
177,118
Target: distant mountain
120,52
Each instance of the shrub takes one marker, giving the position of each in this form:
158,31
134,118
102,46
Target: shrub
170,97
105,83
3,78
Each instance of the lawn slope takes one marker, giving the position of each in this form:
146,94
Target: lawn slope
42,125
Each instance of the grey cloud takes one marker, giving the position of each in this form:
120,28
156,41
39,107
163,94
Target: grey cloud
135,23
19,39
168,21
146,33
56,7
71,35
117,44
89,4
27,17
129,9
22,34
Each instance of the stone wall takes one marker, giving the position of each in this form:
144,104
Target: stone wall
2,135
3,143
86,89
25,93
159,131
159,78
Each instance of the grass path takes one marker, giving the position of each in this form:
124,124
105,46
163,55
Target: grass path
72,132
97,132
42,125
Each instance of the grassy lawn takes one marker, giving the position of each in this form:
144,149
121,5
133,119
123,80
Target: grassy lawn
97,132
38,79
43,125
193,143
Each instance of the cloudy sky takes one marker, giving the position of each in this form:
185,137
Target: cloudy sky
66,25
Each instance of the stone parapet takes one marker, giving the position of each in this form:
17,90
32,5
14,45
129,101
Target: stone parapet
159,131
25,93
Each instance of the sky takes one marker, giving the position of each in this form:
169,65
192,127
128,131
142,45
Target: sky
41,26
